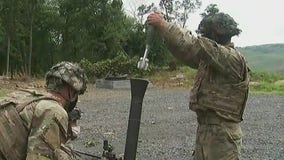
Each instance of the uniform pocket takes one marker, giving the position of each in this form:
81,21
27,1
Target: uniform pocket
235,134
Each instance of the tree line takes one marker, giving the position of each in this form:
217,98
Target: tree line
35,34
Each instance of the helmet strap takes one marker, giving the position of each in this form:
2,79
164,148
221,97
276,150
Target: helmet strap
71,102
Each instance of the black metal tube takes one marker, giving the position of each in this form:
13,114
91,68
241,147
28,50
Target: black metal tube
138,89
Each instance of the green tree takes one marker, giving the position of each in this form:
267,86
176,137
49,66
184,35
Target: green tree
135,43
142,10
178,10
210,10
38,33
93,29
7,16
46,36
18,19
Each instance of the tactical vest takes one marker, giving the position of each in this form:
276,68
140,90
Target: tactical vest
229,99
13,133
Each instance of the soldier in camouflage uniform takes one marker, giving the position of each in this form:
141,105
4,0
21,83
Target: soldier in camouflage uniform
220,90
46,120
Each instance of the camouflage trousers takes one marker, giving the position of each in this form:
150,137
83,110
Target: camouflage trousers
217,140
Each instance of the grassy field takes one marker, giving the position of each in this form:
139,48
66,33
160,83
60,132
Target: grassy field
3,92
268,83
268,58
261,82
183,78
266,62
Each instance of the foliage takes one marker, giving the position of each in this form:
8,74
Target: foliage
45,32
94,30
135,44
178,10
64,30
144,9
118,66
210,10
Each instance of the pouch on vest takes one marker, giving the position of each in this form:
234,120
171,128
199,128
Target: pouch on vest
13,134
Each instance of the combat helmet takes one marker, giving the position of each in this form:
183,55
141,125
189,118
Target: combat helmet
220,23
70,73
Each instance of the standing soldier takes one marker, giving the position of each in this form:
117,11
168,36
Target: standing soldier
42,124
220,91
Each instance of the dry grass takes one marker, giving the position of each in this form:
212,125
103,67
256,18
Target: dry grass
182,78
9,85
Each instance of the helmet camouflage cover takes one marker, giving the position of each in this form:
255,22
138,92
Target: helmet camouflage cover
70,73
221,23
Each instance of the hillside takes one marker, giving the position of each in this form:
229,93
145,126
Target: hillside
268,57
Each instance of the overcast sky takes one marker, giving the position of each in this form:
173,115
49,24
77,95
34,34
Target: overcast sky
262,22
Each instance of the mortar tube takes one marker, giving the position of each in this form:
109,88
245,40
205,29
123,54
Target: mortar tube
138,89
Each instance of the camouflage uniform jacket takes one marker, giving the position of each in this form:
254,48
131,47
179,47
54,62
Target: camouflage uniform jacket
47,124
222,79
